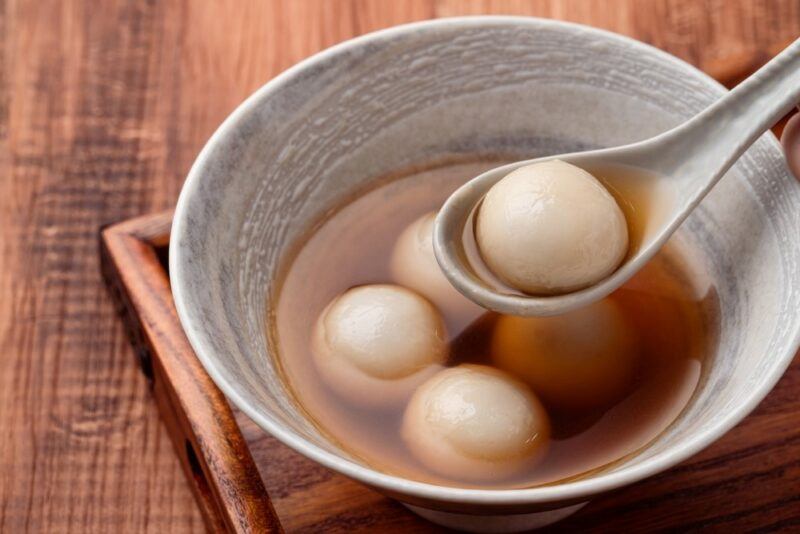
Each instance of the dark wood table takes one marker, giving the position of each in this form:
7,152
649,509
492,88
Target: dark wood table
103,106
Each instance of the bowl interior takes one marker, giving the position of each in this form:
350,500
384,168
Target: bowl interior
519,88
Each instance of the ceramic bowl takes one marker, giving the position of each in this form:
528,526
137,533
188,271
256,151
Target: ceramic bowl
452,88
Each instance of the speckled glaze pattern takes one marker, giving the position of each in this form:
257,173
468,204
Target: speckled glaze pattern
520,87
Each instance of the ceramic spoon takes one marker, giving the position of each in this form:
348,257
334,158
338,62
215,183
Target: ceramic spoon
683,165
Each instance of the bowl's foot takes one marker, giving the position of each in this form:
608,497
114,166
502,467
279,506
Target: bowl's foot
495,523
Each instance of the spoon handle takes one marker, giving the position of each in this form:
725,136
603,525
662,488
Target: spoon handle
702,149
761,100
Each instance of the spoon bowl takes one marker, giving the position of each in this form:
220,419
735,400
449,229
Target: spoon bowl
677,168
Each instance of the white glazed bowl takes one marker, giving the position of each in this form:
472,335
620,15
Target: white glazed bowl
519,87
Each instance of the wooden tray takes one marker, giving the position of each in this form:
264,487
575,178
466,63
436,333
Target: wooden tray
750,479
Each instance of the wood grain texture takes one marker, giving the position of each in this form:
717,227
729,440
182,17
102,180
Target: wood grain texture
103,107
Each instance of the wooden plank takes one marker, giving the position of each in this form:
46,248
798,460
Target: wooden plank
103,107
82,447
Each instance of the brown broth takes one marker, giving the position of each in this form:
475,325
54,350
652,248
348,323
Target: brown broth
670,304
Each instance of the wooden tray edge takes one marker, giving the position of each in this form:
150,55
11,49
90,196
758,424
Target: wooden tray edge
213,453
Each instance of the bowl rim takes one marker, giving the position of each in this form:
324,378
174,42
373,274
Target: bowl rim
555,493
